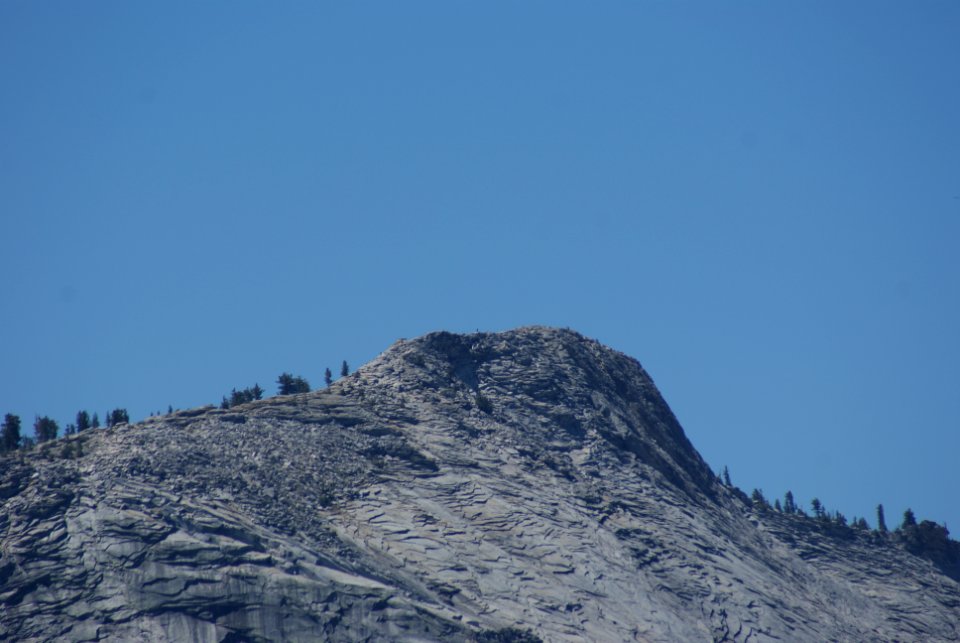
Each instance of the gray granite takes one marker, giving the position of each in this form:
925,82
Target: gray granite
456,484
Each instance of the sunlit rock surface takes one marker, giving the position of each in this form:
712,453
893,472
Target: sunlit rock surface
456,485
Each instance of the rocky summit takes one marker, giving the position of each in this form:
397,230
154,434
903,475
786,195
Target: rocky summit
518,486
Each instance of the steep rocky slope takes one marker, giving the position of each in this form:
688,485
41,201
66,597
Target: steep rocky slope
454,486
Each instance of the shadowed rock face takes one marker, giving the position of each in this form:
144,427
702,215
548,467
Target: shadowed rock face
456,484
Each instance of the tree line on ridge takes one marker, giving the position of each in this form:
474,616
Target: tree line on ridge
46,429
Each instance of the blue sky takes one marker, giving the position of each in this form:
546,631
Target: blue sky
760,201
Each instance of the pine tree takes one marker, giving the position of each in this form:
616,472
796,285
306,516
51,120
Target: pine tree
242,396
817,507
909,520
776,505
881,521
45,429
83,421
789,505
117,416
726,477
95,422
483,403
290,384
327,377
10,434
344,369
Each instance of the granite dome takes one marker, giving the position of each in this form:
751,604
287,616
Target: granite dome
454,486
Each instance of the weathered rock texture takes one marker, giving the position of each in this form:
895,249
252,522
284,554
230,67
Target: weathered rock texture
454,485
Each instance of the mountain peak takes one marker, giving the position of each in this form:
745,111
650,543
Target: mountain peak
596,396
485,486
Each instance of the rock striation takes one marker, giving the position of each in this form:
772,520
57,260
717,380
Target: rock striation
514,485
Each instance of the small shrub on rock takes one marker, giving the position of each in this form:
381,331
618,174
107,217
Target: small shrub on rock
508,635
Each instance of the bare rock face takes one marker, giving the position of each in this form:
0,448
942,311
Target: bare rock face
456,486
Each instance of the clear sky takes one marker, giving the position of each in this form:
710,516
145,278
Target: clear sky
758,200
